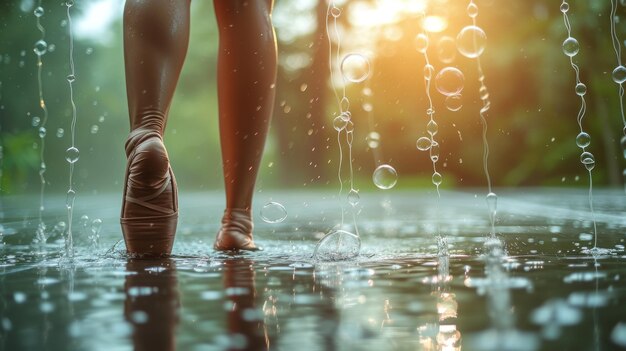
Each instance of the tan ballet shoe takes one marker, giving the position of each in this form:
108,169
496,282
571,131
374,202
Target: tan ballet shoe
236,231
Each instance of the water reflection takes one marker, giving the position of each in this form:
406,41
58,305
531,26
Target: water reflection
152,303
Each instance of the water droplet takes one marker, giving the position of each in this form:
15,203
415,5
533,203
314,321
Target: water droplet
472,10
96,226
346,116
570,47
471,41
69,199
339,123
588,160
564,7
349,127
583,140
492,203
355,68
449,81
423,144
35,121
89,51
94,129
619,74
273,212
72,154
429,70
42,132
60,133
437,178
39,11
454,102
69,3
337,245
434,151
344,104
385,177
373,140
367,107
41,47
353,197
335,11
71,78
446,49
421,43
581,89
432,127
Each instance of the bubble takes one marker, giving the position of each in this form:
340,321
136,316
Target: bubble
472,10
337,246
71,78
273,212
94,129
35,121
423,144
434,151
385,177
39,11
60,132
437,179
429,70
471,41
449,81
335,11
353,197
72,154
41,47
564,7
446,49
42,132
69,198
454,102
588,160
339,123
570,47
619,74
373,140
583,140
432,127
581,89
421,43
355,68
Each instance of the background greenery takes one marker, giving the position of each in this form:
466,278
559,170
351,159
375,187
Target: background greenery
532,123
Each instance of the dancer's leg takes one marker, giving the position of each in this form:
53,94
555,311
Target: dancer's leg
246,89
156,36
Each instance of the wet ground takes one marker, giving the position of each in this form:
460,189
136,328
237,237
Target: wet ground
532,288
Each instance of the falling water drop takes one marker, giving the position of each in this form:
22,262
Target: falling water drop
355,68
449,81
94,129
339,123
41,47
35,121
385,177
60,132
472,10
437,179
69,199
346,115
581,89
583,140
454,102
434,151
69,3
353,197
273,212
71,78
424,143
619,74
588,160
42,132
492,204
72,154
564,7
429,70
373,140
570,47
38,11
335,11
471,41
421,43
432,127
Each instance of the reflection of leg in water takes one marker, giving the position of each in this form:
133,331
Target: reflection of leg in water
246,80
245,324
152,302
156,35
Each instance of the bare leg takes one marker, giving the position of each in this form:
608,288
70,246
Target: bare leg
246,89
156,36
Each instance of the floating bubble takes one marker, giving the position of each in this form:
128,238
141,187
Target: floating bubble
421,43
60,132
273,212
339,123
432,127
570,47
35,121
472,10
338,245
42,132
434,151
71,78
373,140
454,102
355,68
583,140
423,143
449,81
72,154
429,70
41,47
564,7
581,89
38,11
471,41
353,197
437,179
446,49
385,177
588,160
619,74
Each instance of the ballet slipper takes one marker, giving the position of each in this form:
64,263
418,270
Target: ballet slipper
150,203
236,231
